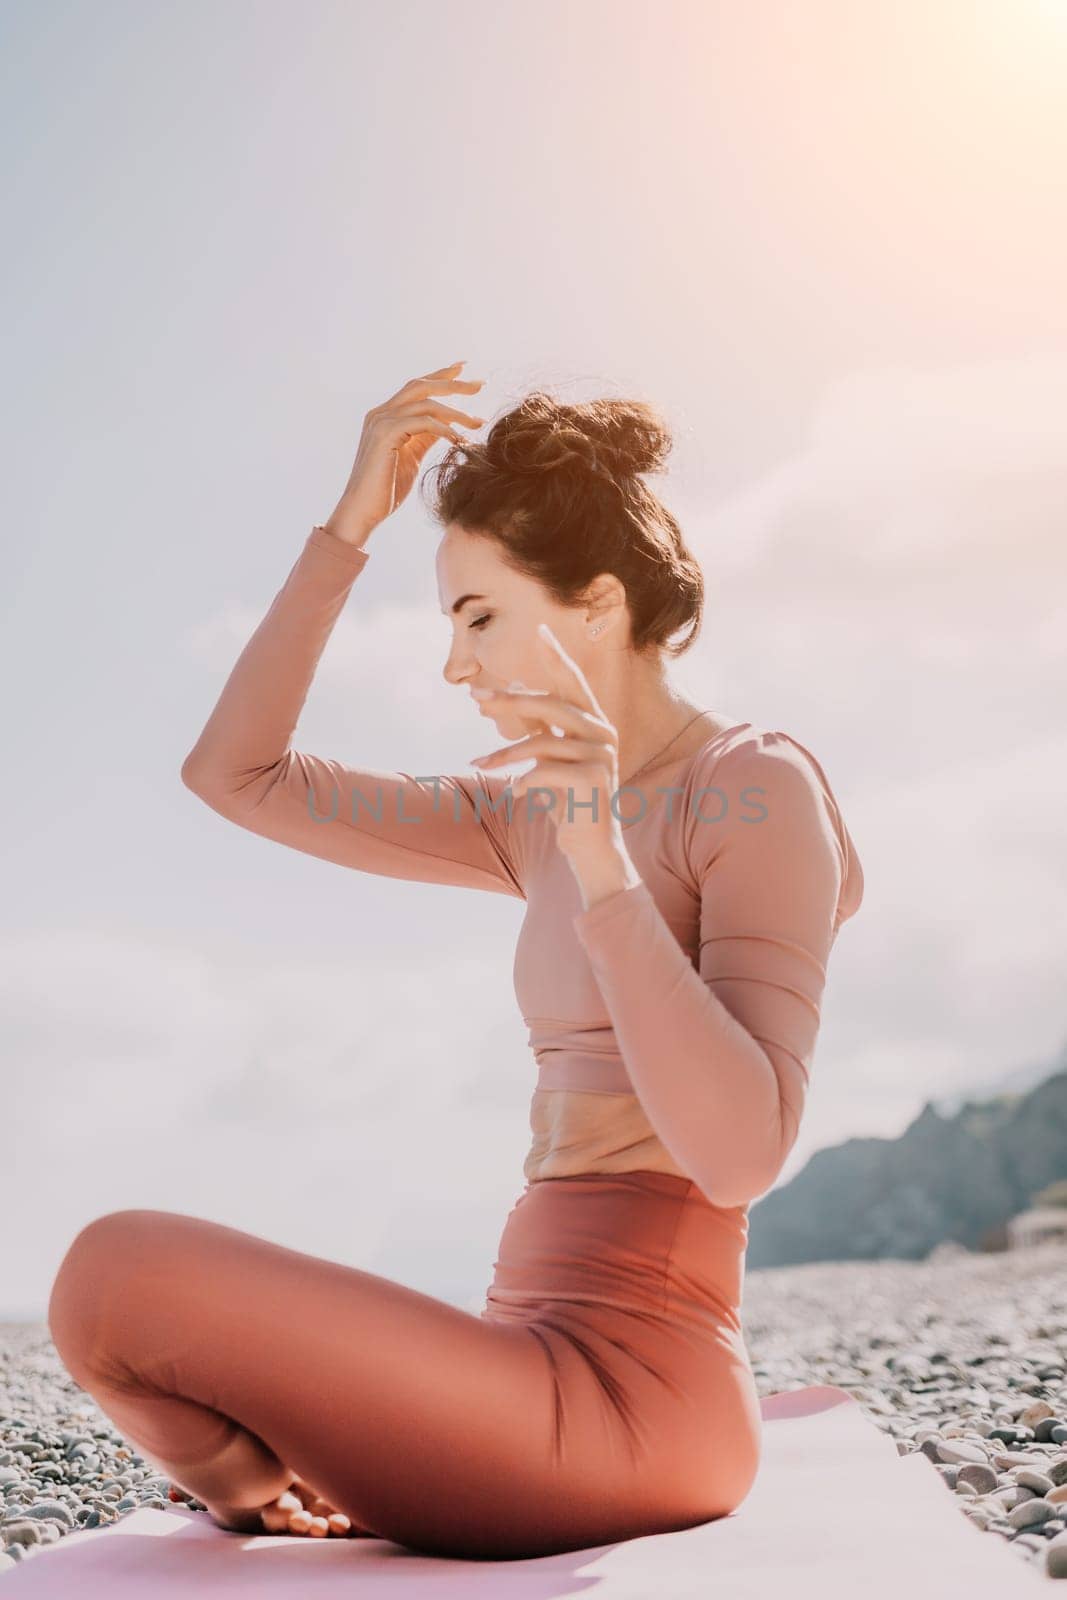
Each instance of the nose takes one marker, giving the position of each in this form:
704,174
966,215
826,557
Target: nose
454,670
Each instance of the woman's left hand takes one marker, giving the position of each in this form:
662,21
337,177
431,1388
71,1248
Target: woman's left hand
579,766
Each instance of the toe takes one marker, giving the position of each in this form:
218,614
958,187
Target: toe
276,1518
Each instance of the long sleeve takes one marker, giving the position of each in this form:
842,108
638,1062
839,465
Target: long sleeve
434,829
719,1053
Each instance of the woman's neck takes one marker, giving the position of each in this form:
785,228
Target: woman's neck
659,721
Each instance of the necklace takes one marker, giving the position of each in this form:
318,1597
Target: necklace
667,746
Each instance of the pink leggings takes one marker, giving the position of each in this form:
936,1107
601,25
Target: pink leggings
603,1393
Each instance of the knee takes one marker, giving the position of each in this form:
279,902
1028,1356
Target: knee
104,1254
738,1483
726,1478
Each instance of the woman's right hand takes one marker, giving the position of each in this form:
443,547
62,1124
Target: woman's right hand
396,435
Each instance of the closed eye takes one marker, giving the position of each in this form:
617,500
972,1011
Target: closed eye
480,622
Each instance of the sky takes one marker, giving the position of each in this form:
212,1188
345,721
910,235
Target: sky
827,241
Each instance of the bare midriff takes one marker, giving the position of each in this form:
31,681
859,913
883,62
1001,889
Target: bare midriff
576,1131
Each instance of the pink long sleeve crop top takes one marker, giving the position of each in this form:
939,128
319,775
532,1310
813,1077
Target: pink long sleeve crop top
674,1022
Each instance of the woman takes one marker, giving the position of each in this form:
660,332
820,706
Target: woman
670,968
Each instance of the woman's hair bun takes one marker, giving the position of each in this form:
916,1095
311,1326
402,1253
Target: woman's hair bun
561,488
619,438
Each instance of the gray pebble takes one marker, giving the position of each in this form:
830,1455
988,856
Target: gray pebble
54,1509
981,1478
1056,1556
1030,1478
22,1531
1030,1513
960,1450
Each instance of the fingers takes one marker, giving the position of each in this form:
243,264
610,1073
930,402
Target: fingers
557,747
546,708
425,418
448,378
419,403
443,378
560,775
565,670
450,374
405,425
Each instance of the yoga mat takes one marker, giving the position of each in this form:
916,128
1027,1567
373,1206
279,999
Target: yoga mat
833,1514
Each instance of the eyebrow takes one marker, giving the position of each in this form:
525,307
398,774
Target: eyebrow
457,605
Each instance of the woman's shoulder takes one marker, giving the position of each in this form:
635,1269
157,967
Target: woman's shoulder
735,772
747,750
750,777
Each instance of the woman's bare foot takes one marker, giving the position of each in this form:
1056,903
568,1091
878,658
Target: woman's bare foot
300,1509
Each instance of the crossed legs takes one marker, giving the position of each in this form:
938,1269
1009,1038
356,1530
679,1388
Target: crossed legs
233,1364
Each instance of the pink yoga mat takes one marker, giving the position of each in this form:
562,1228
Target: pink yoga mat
835,1512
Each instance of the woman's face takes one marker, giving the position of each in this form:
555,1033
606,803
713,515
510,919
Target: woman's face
493,612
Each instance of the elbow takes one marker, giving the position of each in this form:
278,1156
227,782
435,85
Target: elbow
197,777
755,1163
756,1177
740,1179
739,1188
190,775
226,789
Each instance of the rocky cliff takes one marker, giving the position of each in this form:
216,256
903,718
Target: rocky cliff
958,1177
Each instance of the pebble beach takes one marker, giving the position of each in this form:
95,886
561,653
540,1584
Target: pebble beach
962,1356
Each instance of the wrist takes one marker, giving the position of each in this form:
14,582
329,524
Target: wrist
599,880
348,528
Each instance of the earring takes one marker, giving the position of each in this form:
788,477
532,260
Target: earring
594,631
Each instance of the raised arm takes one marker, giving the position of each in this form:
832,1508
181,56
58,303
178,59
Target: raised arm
434,828
719,1054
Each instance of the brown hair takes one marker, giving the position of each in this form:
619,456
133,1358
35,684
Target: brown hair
559,487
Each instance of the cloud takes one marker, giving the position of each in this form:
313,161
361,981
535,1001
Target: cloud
891,454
